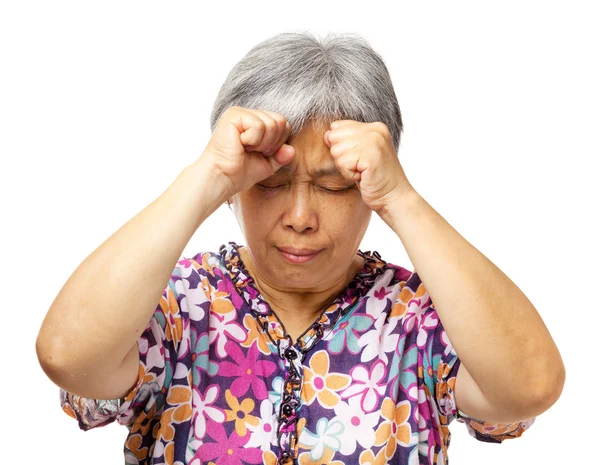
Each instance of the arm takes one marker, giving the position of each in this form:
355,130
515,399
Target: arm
514,368
87,343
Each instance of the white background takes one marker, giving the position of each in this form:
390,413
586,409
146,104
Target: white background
102,104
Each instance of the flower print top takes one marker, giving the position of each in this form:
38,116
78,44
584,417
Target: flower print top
370,382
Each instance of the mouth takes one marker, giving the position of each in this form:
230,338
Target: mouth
298,255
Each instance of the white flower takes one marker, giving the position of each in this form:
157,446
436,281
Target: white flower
276,394
380,340
369,384
192,302
379,294
203,407
358,425
428,324
326,436
222,327
264,434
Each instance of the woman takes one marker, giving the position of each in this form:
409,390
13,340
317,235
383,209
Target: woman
297,347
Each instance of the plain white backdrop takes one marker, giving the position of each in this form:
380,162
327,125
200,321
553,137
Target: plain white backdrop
102,104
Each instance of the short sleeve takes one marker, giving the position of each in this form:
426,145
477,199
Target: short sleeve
158,346
445,364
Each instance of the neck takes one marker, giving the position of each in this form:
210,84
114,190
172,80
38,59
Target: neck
298,310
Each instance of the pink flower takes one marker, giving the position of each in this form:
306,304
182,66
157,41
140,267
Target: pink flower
185,262
227,450
381,293
247,371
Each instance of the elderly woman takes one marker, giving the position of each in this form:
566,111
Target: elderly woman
297,347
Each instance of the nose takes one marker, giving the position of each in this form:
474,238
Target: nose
300,211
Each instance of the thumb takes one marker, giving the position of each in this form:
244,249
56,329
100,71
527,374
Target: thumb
283,156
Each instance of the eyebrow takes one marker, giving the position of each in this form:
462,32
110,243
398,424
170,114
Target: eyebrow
319,173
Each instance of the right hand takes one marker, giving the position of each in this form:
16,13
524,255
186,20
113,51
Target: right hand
248,146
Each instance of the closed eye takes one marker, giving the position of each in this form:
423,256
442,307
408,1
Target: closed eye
336,190
323,188
269,187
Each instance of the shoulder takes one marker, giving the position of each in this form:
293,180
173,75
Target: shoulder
396,294
388,273
205,263
401,285
200,271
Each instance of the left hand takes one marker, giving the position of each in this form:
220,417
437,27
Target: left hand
364,153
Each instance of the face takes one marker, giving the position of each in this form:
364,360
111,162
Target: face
303,208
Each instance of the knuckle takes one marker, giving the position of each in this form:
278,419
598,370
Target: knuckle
276,116
272,125
382,127
380,139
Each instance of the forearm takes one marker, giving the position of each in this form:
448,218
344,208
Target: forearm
495,330
109,299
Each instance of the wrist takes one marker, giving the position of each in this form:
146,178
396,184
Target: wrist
217,187
399,207
197,187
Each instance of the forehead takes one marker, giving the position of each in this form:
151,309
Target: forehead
312,154
317,171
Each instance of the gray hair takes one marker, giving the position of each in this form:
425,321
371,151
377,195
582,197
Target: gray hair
298,76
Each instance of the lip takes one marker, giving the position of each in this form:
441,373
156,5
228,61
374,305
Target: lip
299,252
298,255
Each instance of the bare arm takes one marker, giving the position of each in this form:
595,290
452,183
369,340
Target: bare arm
515,370
87,343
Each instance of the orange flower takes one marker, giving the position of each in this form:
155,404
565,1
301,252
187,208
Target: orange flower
367,457
173,325
255,333
320,384
404,298
167,432
221,303
304,458
395,429
180,397
269,458
69,411
170,453
144,421
240,413
133,443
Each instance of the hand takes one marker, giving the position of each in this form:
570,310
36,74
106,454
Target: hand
365,154
248,146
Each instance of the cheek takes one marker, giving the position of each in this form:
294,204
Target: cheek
349,218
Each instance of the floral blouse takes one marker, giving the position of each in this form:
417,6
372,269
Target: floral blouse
370,382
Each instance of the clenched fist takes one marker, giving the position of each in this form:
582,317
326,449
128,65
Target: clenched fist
248,146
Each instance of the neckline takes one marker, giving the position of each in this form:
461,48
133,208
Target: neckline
357,287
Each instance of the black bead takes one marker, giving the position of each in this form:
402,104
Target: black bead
287,410
290,354
286,458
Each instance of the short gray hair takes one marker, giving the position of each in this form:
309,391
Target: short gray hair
298,76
